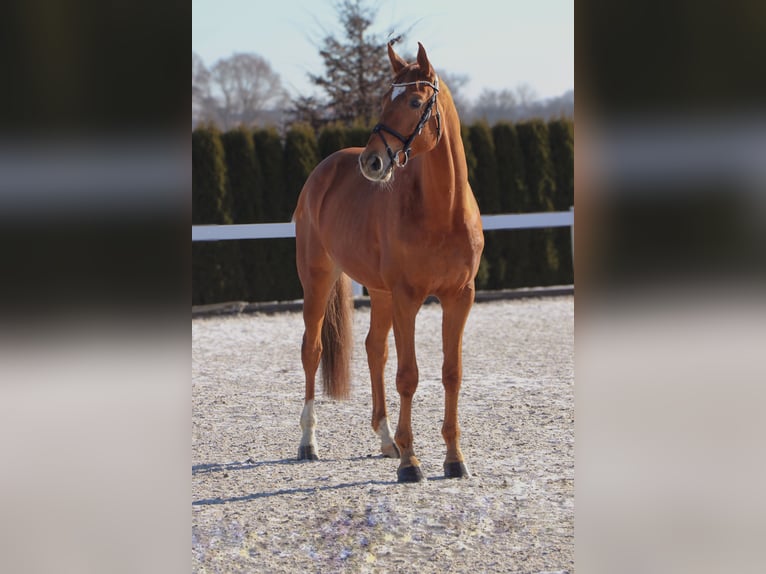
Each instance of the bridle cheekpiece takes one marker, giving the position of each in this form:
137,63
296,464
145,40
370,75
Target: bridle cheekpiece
407,141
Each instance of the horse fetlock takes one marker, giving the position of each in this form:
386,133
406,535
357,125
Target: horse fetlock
387,445
390,450
408,459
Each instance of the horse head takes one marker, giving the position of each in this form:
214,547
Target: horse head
410,121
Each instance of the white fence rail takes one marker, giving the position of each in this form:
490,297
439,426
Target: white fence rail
279,230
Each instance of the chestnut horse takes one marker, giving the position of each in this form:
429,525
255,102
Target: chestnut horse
399,218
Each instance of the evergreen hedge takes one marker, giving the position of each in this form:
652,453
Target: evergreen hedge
246,189
270,151
331,139
217,273
484,182
516,245
246,176
562,155
540,183
301,155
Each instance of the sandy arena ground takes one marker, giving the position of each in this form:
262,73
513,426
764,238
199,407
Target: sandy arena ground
256,509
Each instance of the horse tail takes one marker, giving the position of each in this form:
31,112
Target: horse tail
336,340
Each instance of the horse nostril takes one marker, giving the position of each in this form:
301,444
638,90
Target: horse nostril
375,163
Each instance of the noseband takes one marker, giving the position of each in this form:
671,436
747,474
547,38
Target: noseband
407,141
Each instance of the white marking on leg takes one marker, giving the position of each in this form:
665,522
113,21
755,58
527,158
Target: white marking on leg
384,431
387,446
308,424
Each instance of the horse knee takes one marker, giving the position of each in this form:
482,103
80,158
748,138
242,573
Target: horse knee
451,378
407,380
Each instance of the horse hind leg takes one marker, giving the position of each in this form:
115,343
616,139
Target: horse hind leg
316,291
376,345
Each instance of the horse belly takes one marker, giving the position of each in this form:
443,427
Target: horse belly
363,266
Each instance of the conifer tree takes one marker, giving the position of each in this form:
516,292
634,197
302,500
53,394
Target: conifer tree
209,197
301,157
513,199
216,268
482,276
270,153
510,168
271,159
484,183
244,175
358,134
562,155
246,190
357,70
331,139
541,185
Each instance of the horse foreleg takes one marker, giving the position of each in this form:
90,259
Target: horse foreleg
455,314
405,308
377,355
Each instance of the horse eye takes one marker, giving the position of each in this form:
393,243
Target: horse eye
415,103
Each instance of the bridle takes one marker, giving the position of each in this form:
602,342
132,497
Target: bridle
407,141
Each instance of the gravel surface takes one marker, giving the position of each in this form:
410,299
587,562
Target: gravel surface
256,509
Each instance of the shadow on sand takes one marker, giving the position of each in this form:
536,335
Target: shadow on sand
251,464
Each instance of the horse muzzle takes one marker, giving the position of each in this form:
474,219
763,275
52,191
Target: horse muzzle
374,166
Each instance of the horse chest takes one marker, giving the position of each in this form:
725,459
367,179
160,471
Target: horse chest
432,258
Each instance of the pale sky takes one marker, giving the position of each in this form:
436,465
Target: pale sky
497,43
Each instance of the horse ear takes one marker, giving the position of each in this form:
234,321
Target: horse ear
397,62
425,65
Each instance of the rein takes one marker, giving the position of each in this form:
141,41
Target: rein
407,141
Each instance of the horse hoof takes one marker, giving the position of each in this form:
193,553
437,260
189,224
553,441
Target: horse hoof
307,453
390,451
410,474
455,470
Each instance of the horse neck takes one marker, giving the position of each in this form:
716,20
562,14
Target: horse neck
444,173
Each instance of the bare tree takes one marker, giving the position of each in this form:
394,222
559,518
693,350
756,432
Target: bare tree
248,87
456,82
519,104
307,110
203,104
526,95
492,106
